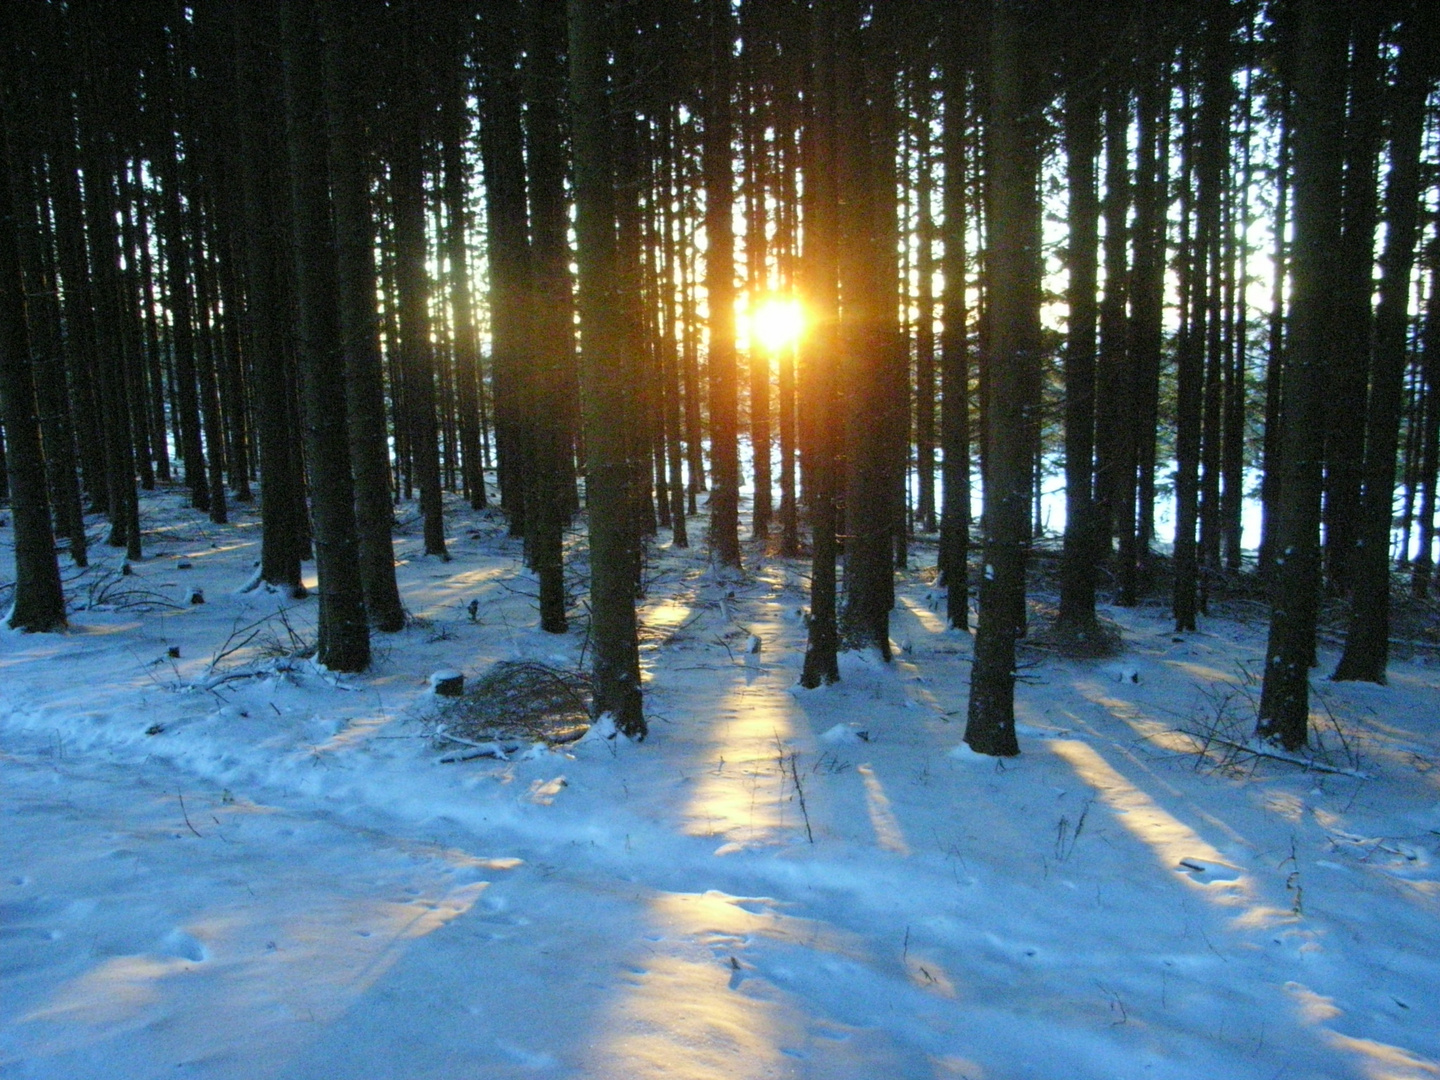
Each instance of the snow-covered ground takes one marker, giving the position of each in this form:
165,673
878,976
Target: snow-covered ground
222,863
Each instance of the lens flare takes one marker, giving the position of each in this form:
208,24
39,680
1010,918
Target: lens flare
776,323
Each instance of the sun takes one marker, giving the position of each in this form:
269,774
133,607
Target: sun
776,323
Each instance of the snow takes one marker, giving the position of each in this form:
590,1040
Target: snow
218,860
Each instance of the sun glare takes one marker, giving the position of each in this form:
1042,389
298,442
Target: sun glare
776,323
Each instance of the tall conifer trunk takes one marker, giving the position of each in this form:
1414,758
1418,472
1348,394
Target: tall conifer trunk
343,632
1367,642
267,298
554,341
818,270
39,601
346,107
954,555
407,185
1318,123
1082,543
720,289
1013,268
616,665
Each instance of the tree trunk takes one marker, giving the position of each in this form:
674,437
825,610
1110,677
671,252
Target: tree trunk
407,184
720,290
1367,641
1014,130
1210,138
39,601
343,632
1082,539
502,153
554,351
1318,124
1424,565
925,386
952,560
870,344
1274,357
819,276
1346,382
1112,389
616,664
346,106
267,300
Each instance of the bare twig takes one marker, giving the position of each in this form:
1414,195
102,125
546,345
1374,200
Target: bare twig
186,814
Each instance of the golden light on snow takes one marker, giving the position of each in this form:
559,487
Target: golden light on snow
776,323
1177,846
692,1004
888,833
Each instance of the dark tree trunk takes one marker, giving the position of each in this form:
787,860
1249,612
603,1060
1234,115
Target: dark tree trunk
1318,125
98,155
35,250
1346,381
756,176
1237,371
502,152
1082,540
177,266
616,664
205,370
267,302
39,601
638,420
78,307
924,101
407,184
1113,413
1367,641
1274,356
1014,128
134,330
869,335
1210,230
346,107
457,218
720,290
819,276
554,352
1424,565
1210,138
669,347
954,555
344,633
148,298
1135,479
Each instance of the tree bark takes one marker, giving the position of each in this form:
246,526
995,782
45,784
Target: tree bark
344,633
1318,124
1082,542
819,277
39,601
953,557
407,184
616,663
1367,641
1014,130
720,290
282,529
554,352
346,106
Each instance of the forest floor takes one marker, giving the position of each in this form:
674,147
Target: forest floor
219,861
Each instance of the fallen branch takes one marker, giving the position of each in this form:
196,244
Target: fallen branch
1289,759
